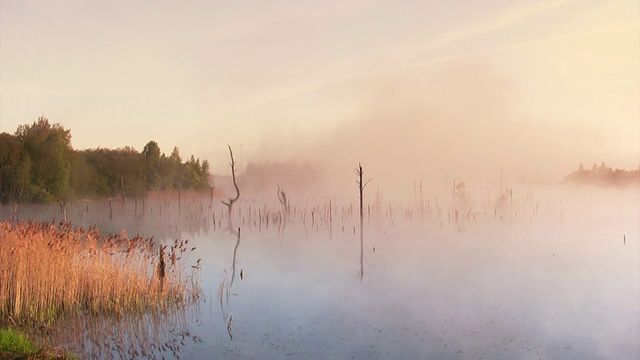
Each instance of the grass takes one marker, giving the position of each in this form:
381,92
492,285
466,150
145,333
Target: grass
48,272
16,345
14,341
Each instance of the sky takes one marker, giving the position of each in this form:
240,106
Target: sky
434,89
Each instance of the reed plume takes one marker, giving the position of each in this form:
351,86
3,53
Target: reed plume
48,272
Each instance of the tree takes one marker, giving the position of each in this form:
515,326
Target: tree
103,163
198,175
49,148
15,168
235,184
173,173
82,177
38,164
175,155
151,153
129,164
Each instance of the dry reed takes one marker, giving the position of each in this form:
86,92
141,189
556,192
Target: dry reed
49,272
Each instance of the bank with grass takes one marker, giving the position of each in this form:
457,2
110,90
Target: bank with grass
14,344
51,272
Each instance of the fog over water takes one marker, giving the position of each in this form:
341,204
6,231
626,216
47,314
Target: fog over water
465,116
551,272
461,118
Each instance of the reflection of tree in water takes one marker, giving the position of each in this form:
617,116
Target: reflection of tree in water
159,215
224,289
233,264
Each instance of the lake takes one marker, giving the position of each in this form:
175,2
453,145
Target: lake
553,274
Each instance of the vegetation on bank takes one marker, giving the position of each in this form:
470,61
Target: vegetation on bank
38,164
604,175
16,345
48,272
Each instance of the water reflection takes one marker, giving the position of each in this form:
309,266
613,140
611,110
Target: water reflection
531,277
233,263
225,286
153,335
161,217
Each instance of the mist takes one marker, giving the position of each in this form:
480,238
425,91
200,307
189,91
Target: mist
482,230
456,119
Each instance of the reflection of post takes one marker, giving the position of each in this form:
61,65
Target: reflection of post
361,187
231,201
286,207
330,221
223,294
233,264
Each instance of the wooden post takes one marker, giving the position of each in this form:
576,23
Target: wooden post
361,187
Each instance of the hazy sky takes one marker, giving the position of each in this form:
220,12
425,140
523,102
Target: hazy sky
537,86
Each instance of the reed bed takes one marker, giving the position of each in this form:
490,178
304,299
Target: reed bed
48,272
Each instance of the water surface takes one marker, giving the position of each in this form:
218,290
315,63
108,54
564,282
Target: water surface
553,276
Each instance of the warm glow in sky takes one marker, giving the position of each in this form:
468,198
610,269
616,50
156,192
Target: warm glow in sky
452,85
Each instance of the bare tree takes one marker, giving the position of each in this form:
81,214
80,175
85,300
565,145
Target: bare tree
361,187
235,184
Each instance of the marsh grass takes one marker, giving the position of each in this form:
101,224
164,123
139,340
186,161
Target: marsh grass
15,342
16,345
48,272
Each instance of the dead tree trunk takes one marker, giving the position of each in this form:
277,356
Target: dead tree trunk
235,184
361,187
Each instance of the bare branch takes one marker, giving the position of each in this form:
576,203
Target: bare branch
365,184
235,184
233,174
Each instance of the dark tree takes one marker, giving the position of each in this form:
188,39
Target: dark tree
15,169
235,184
151,153
38,164
49,148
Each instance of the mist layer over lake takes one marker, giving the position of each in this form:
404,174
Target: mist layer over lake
554,273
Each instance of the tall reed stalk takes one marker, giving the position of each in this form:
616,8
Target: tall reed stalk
48,272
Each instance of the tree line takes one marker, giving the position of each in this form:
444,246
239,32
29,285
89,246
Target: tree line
38,164
604,175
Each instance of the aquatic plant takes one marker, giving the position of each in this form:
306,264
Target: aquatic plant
16,345
48,272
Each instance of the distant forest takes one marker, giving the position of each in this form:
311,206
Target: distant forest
604,175
38,164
